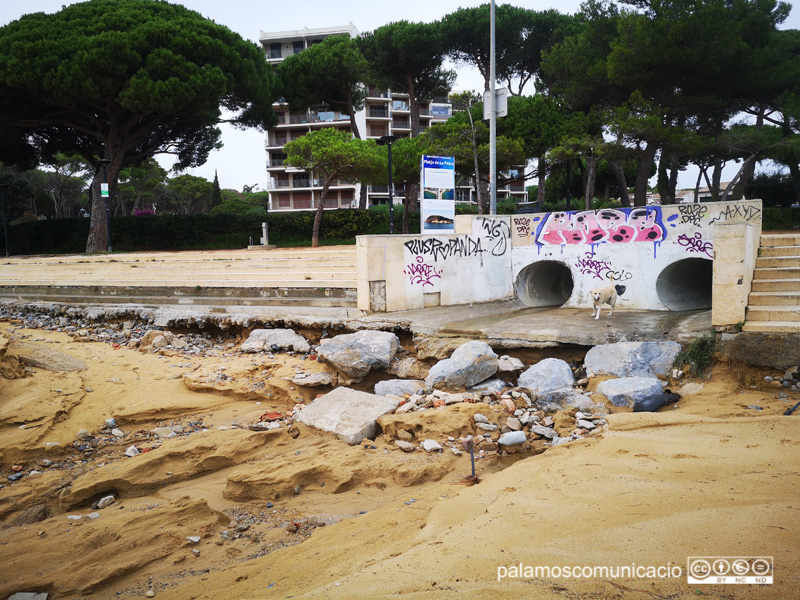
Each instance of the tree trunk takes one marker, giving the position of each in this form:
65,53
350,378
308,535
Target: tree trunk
541,167
716,178
700,174
662,183
619,175
591,177
318,215
794,171
642,175
414,106
673,177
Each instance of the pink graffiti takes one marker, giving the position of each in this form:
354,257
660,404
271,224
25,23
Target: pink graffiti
696,244
607,225
421,272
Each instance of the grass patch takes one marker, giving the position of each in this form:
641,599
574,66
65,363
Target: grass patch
697,357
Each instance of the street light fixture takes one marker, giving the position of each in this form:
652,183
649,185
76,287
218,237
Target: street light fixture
104,162
388,140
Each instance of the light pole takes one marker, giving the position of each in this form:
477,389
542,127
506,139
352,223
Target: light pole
3,188
104,162
388,140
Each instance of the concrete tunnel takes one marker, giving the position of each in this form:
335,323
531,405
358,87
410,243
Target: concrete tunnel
682,285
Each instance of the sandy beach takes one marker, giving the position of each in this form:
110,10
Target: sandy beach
217,510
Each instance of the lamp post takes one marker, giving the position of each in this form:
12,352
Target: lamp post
3,189
388,140
104,162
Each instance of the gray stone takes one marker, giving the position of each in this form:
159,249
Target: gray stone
194,539
117,433
513,423
585,424
105,501
470,364
132,451
164,432
488,426
83,434
512,438
547,432
625,391
509,364
430,446
489,387
632,359
29,596
405,446
356,354
480,418
263,339
398,387
546,376
315,379
349,414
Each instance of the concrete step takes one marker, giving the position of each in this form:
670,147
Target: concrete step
258,282
776,285
777,262
774,299
777,251
780,239
772,326
777,273
197,256
36,277
781,313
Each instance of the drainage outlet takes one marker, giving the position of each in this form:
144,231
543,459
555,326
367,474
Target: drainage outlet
686,284
544,283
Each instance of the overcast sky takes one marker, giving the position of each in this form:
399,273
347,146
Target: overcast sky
242,159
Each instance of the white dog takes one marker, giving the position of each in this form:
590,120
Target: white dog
606,295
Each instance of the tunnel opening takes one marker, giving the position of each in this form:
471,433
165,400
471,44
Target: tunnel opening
544,283
686,284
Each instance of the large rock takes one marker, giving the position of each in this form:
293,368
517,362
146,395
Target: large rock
546,376
470,364
349,414
409,367
489,387
632,359
399,387
264,339
625,391
355,354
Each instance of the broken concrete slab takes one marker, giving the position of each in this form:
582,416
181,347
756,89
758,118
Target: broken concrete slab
625,391
349,414
356,354
263,340
632,359
470,364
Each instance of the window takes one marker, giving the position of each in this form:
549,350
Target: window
298,47
275,51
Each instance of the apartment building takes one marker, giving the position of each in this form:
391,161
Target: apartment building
384,113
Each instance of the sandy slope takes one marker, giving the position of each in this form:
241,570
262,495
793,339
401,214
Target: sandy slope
707,477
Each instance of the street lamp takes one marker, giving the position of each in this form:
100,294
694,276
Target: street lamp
3,188
388,140
104,162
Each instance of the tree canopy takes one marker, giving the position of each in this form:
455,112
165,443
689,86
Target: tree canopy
124,80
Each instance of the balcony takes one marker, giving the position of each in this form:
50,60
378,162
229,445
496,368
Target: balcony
378,112
373,92
377,131
400,106
401,124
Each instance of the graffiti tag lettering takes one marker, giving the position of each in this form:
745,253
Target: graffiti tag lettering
522,225
440,250
696,244
747,212
692,213
498,232
622,275
421,272
590,266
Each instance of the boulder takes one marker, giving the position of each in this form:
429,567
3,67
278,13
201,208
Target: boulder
399,387
349,414
409,367
626,391
315,379
632,359
261,340
512,438
546,376
356,354
470,364
489,387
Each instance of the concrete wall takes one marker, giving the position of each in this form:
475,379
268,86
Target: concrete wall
664,256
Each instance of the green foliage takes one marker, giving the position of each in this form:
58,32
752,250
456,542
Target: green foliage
773,189
697,356
778,218
187,194
216,193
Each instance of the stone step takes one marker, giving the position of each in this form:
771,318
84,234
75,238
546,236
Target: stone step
144,277
780,239
777,251
776,285
772,326
777,273
782,313
774,298
189,256
777,262
256,281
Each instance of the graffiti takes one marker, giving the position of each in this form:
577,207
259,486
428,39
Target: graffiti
522,225
693,213
747,212
622,275
590,266
437,249
613,226
421,272
498,232
696,244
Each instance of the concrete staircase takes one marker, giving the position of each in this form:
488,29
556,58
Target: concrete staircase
774,302
303,277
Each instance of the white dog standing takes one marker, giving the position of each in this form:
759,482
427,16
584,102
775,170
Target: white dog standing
607,294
